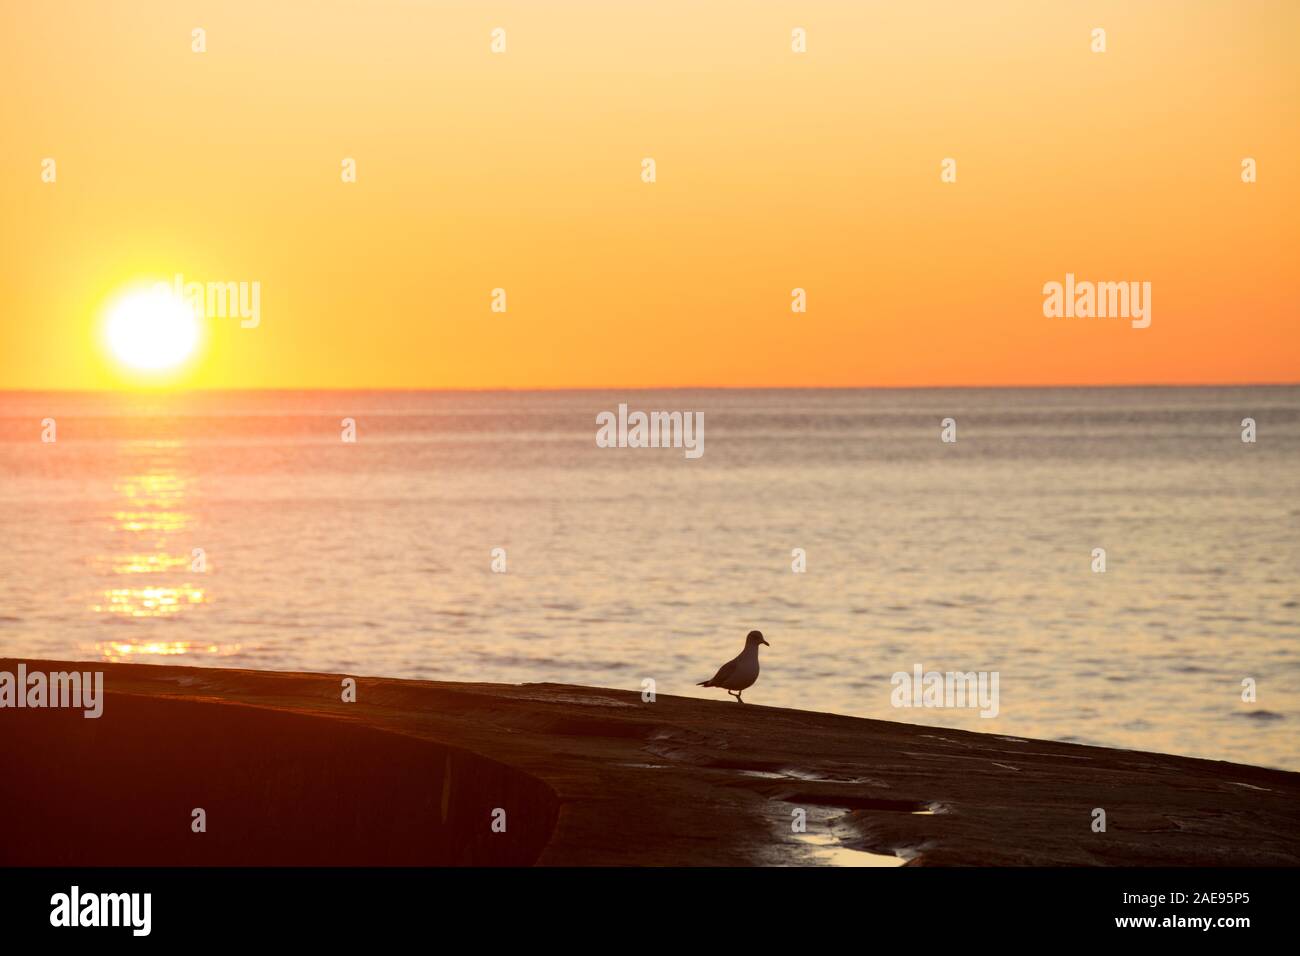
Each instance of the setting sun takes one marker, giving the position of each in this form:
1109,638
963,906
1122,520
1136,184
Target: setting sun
152,330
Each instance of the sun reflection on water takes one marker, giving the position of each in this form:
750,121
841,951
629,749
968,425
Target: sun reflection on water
160,521
150,515
154,601
125,650
148,563
154,487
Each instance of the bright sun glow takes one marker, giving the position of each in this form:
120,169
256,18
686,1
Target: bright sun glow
152,330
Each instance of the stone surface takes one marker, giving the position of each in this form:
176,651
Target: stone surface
413,773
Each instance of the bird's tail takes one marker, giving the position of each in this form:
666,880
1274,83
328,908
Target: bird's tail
705,683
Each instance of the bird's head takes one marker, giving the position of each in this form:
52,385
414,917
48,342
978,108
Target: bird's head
755,637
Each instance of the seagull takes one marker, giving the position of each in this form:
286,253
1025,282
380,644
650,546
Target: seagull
739,672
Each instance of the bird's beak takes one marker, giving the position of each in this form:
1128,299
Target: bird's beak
763,641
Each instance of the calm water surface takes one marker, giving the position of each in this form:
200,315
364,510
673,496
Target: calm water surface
624,564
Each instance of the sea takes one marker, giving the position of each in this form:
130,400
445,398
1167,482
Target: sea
1120,558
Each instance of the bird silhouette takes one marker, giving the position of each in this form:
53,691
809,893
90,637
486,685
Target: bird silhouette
741,671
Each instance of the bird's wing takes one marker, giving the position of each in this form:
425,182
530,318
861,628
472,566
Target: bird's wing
724,671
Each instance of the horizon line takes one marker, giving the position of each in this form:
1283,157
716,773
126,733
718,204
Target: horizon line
175,390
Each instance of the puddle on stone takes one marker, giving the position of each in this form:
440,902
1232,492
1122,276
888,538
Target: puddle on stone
828,851
811,776
825,776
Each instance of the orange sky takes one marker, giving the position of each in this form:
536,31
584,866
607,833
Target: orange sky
776,170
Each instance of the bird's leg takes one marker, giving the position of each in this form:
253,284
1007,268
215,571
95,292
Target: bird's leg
739,699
